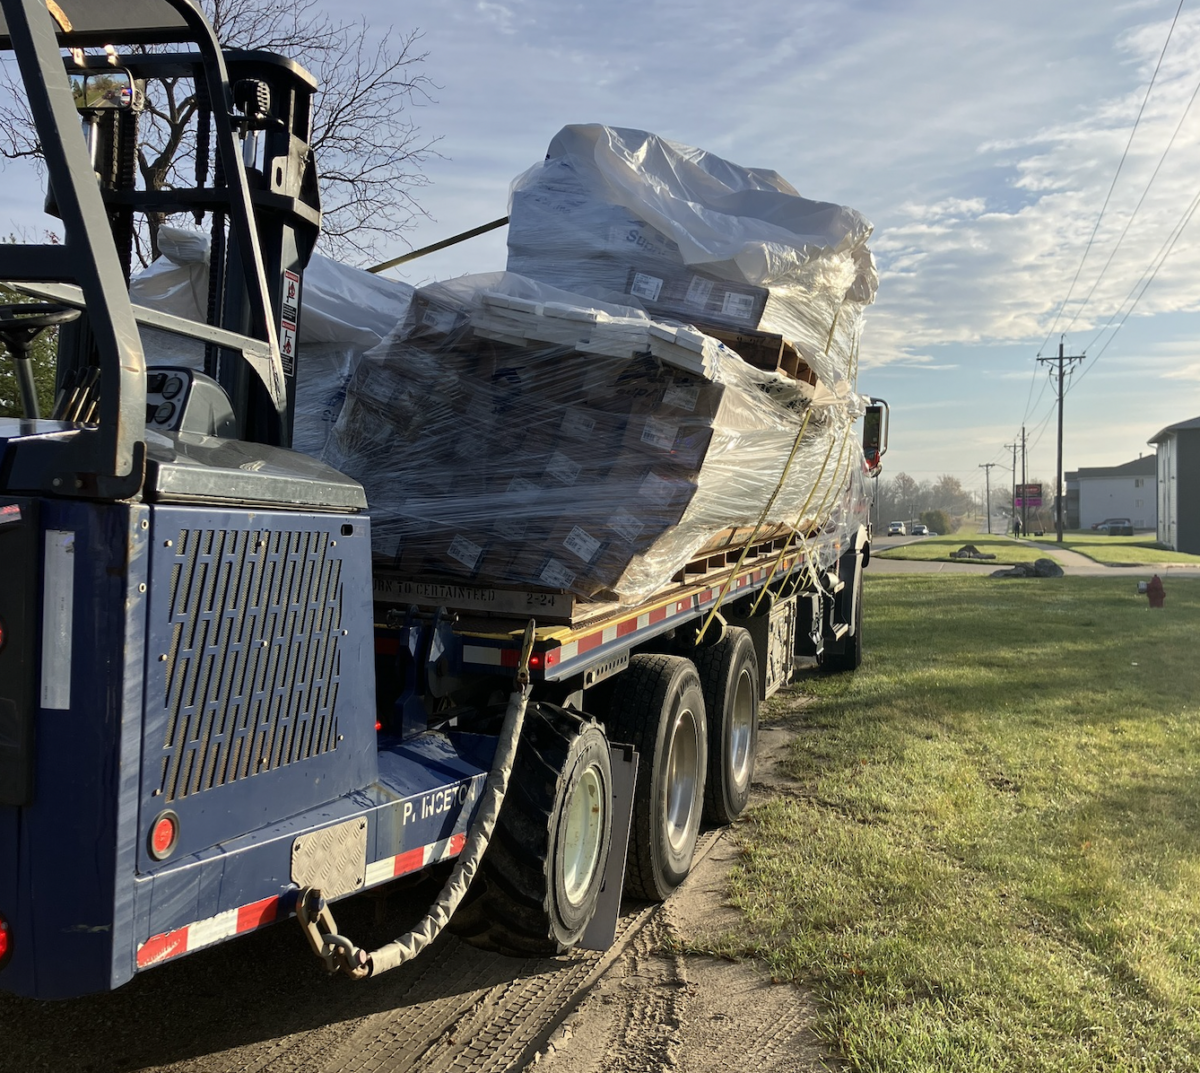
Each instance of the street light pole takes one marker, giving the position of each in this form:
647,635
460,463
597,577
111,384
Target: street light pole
987,473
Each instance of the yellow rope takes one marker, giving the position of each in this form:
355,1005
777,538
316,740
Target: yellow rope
795,528
757,526
833,483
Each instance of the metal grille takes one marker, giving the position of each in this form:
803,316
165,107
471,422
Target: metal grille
252,671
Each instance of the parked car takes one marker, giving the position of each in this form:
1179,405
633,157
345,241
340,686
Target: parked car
920,530
896,529
1115,527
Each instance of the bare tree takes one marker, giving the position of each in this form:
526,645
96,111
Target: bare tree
368,147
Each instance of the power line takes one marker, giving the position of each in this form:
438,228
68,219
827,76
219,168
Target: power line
1120,165
1136,208
1164,252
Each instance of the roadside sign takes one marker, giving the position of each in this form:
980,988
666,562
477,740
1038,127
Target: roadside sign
1029,495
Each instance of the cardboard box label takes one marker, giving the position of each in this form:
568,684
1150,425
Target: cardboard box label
556,575
740,306
521,487
660,434
562,469
657,489
440,320
465,552
512,528
682,396
699,292
644,286
625,525
577,423
582,544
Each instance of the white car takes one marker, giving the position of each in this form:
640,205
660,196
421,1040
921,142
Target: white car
896,529
921,530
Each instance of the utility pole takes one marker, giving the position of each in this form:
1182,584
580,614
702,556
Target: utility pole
1058,478
1024,480
1013,447
987,476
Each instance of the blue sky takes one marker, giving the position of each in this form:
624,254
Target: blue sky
981,140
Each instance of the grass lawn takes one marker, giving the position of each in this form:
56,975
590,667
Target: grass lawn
938,548
1123,550
992,861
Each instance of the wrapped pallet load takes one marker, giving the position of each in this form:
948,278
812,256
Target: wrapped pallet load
574,427
628,216
509,433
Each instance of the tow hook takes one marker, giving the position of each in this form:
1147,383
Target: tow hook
337,953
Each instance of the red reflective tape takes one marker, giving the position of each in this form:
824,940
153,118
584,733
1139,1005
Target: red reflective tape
256,914
659,614
627,627
412,861
509,657
592,640
457,842
161,947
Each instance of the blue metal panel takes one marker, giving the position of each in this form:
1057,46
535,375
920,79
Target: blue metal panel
429,789
260,696
71,843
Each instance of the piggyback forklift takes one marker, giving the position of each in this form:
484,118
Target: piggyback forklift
206,724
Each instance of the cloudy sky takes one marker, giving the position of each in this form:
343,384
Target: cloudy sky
981,139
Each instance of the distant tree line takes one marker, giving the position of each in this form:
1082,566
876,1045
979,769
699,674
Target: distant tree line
944,504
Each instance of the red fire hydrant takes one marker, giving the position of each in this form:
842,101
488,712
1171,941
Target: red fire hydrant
1155,592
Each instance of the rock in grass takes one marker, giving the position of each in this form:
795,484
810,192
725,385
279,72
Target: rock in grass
969,551
1039,568
1047,568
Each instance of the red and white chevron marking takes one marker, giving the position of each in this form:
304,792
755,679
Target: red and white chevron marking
246,918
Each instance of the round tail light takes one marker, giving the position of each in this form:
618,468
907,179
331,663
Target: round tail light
6,942
164,835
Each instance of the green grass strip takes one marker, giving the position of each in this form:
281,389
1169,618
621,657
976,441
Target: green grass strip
938,549
992,858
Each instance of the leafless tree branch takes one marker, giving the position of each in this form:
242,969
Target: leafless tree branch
369,149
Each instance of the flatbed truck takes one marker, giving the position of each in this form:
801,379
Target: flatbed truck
214,713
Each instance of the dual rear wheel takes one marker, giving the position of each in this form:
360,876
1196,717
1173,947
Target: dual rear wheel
695,727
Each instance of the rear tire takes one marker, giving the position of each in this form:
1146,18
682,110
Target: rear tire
658,708
729,678
540,878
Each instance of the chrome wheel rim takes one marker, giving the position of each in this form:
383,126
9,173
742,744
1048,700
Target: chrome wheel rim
741,729
583,835
683,778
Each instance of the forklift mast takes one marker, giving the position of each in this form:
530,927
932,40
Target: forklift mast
254,179
186,637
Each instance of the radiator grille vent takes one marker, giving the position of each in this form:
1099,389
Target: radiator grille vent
253,664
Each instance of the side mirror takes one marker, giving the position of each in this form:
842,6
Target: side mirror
875,433
104,89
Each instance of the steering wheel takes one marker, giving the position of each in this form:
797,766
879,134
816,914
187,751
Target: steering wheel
19,326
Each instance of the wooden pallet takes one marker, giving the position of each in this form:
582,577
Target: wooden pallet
481,602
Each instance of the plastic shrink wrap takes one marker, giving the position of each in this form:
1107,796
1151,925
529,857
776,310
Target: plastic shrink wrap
510,433
625,215
344,312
